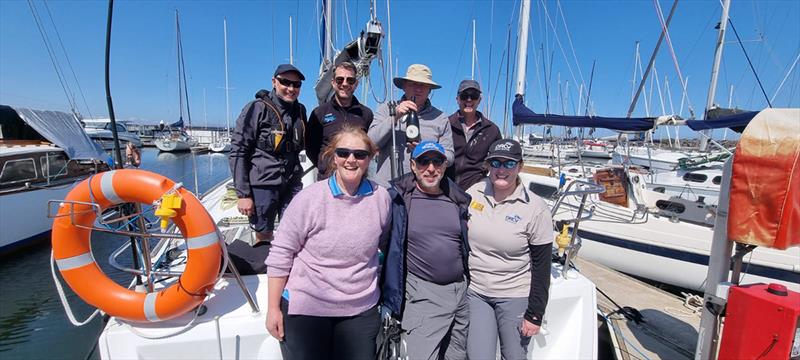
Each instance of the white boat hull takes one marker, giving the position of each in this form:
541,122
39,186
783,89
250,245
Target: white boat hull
23,215
172,145
220,147
664,250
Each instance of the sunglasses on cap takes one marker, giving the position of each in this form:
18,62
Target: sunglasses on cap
426,161
469,95
508,164
341,79
344,153
289,83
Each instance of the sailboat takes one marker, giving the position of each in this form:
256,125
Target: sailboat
224,144
176,139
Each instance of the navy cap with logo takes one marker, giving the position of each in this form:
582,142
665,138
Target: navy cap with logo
426,147
506,149
284,68
468,84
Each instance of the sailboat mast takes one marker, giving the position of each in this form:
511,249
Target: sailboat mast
227,96
291,50
712,88
474,50
328,32
522,46
522,52
178,63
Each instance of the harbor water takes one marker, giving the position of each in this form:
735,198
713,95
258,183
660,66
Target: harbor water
33,324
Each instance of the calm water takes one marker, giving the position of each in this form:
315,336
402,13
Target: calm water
33,324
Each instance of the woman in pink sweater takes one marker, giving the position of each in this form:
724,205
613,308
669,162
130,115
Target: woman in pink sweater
323,264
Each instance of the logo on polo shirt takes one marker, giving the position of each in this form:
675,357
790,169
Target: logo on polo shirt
476,205
513,219
329,118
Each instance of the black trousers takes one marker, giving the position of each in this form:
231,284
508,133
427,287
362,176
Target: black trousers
335,338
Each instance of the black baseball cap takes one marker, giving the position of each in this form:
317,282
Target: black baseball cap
284,68
468,84
505,148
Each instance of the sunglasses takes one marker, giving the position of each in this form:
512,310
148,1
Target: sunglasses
508,164
341,79
426,161
469,95
289,83
344,153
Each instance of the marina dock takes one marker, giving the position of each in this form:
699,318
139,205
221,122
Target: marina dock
669,326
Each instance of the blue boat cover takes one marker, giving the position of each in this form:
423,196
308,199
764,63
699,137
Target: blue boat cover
523,115
64,131
735,122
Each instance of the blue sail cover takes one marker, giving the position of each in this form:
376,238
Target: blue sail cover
734,122
523,115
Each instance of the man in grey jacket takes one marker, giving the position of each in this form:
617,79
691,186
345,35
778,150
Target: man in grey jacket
265,144
434,126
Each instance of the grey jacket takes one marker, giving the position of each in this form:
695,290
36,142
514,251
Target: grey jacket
434,126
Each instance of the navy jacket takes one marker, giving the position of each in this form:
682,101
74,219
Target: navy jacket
325,121
394,269
470,154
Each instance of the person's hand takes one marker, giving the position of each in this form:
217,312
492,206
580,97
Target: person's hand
274,323
411,145
528,329
245,206
403,108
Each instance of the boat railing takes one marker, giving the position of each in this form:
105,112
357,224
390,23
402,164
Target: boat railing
114,223
581,188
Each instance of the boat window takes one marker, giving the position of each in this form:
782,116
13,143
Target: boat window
670,206
57,168
544,191
18,170
694,177
120,128
717,180
659,189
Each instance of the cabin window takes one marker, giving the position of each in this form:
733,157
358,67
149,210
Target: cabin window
659,189
717,180
694,177
18,170
120,128
670,206
544,191
57,165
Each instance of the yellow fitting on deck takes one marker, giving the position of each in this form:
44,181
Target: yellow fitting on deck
167,209
562,240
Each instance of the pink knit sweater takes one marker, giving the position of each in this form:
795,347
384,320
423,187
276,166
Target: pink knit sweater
328,246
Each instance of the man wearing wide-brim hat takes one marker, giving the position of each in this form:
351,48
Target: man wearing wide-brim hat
434,126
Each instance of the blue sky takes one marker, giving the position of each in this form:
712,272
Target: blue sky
436,33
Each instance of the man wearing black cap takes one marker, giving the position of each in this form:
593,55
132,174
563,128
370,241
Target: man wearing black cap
328,118
473,133
265,145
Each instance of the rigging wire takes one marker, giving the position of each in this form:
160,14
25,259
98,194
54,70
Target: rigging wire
777,91
66,56
769,103
53,59
667,37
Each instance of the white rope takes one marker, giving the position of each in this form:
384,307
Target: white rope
63,297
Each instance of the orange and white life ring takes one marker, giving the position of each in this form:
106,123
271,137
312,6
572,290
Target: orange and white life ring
73,254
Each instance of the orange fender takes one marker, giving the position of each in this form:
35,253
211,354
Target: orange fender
73,254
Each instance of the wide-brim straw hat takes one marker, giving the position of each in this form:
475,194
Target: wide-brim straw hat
417,73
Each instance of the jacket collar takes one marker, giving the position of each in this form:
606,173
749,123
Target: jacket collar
406,184
456,122
336,105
